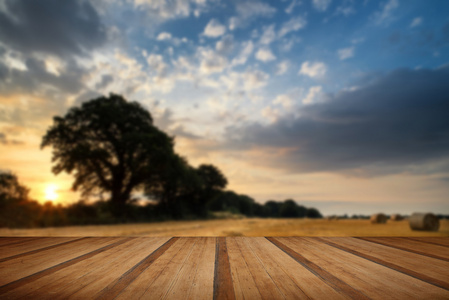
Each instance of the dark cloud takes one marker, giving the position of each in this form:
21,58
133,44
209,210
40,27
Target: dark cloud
105,81
36,77
398,123
51,26
86,96
5,141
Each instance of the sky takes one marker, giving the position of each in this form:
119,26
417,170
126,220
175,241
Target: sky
340,105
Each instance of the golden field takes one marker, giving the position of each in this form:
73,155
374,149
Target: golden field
239,227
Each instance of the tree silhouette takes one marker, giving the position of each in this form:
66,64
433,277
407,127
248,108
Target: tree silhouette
212,181
16,209
177,183
111,146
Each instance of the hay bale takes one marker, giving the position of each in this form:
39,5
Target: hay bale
396,217
378,219
424,221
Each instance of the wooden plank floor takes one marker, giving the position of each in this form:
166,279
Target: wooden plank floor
224,268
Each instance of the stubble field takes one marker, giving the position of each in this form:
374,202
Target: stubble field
239,227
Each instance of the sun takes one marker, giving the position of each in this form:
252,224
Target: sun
50,193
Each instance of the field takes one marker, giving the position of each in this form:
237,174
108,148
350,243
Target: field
240,227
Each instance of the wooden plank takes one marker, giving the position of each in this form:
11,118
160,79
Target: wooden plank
293,279
265,284
428,269
118,285
223,287
34,247
195,280
442,241
88,277
375,280
339,285
21,268
7,241
244,285
434,251
155,281
21,246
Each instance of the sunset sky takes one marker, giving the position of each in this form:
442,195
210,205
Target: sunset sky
340,105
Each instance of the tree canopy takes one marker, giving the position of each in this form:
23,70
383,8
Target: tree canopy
111,146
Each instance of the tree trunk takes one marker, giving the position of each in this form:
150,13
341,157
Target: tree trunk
118,202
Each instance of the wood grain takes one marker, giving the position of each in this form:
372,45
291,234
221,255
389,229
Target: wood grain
116,287
435,251
224,268
428,269
23,246
442,241
223,287
14,273
333,281
86,278
36,246
375,280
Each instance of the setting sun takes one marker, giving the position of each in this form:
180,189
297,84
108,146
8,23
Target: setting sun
50,193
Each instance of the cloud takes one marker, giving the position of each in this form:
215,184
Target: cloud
105,81
270,113
247,50
313,69
265,55
291,6
160,11
282,67
214,29
61,28
5,141
398,123
315,95
225,45
255,79
164,36
345,53
268,35
284,100
345,10
321,5
416,22
294,24
247,11
156,63
211,61
35,78
384,16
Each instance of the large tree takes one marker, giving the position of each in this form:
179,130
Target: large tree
111,146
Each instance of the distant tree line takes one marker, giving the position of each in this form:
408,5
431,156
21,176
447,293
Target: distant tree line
245,205
113,150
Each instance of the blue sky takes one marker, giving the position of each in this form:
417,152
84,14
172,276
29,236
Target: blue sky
341,104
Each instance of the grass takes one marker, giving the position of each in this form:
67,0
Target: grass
239,227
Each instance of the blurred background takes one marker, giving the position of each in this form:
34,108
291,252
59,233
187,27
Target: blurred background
294,117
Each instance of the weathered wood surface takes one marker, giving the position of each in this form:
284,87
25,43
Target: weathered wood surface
224,268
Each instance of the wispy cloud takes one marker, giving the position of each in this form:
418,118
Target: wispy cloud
214,29
282,67
265,55
345,53
416,22
294,24
313,69
321,5
385,15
